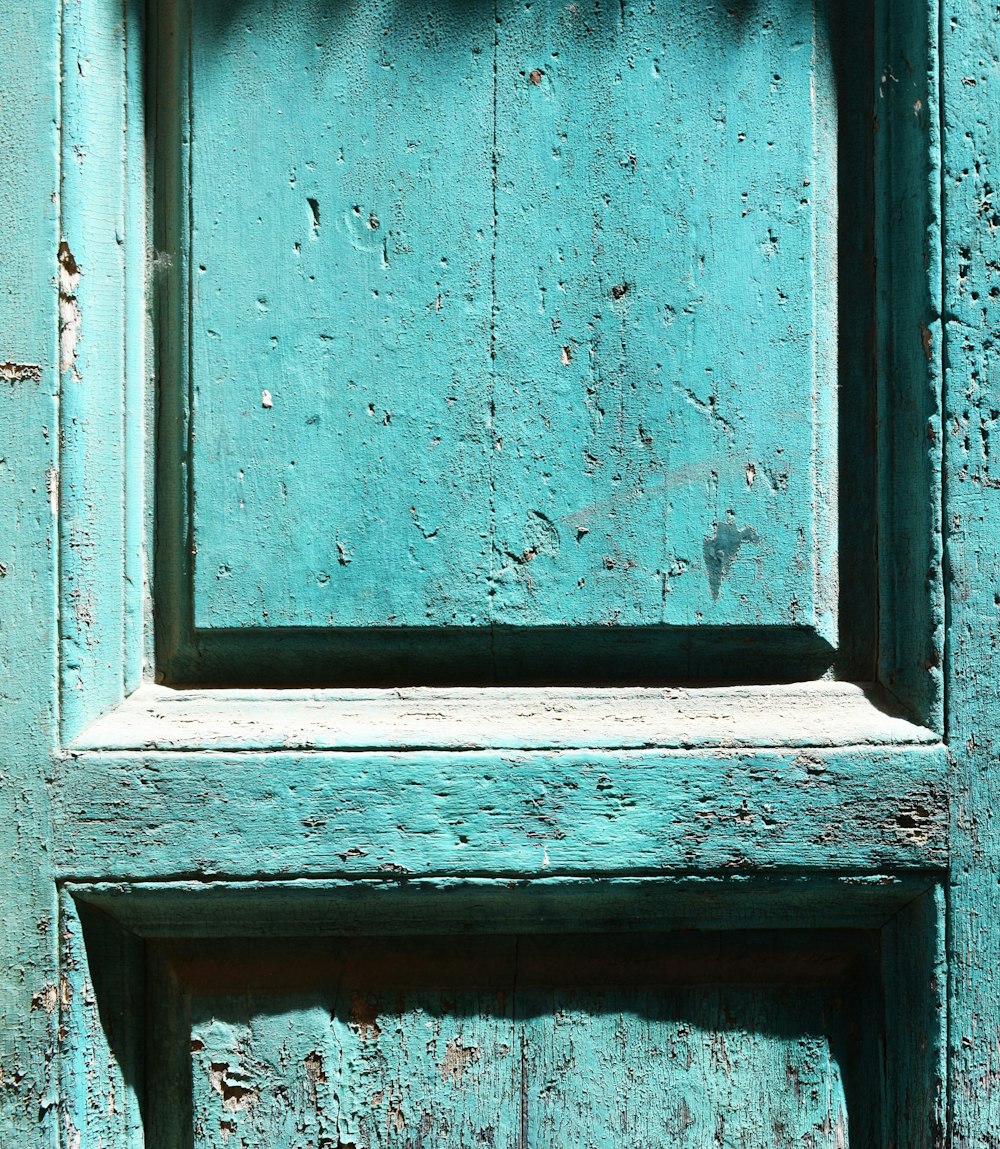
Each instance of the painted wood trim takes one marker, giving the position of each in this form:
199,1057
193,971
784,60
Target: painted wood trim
128,965
971,122
95,433
102,273
29,541
101,1014
809,714
915,996
390,905
227,817
909,355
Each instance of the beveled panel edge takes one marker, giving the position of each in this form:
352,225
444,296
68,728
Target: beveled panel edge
811,714
477,907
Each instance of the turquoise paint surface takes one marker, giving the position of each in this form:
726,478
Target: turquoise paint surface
29,356
840,827
493,1056
524,318
577,812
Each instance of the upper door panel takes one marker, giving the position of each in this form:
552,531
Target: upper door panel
497,327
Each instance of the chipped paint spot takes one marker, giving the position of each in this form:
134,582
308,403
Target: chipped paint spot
47,998
70,318
721,549
233,1086
20,372
840,1130
315,1074
52,484
457,1058
364,1017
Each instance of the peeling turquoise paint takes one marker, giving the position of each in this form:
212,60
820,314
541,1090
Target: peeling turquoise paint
368,345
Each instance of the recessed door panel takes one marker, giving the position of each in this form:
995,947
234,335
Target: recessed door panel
510,1042
503,320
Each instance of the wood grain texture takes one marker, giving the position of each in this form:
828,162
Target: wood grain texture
876,210
340,313
909,353
851,836
374,1038
102,321
101,1029
393,905
29,489
654,1041
914,954
665,278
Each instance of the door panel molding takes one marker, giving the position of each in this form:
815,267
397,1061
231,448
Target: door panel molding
880,980
107,606
812,714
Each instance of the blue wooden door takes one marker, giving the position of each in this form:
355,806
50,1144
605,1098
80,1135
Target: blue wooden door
499,525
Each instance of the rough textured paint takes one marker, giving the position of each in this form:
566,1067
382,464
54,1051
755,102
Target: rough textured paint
92,337
158,815
908,351
971,60
535,408
559,404
29,432
567,853
644,1042
808,715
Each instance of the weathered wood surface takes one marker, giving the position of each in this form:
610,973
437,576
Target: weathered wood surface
393,904
875,813
524,317
102,322
642,1042
614,1023
972,407
911,65
29,491
153,815
809,714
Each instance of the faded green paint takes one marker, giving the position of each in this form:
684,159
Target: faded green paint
879,1028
